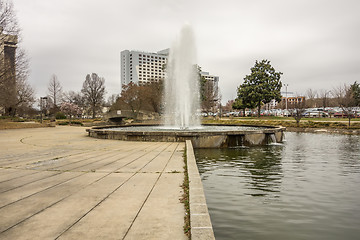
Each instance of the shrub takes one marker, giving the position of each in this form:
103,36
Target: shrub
76,123
60,115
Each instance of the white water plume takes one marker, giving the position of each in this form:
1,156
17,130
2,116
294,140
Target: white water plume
181,97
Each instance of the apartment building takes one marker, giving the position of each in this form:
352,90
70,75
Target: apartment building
143,67
212,79
293,100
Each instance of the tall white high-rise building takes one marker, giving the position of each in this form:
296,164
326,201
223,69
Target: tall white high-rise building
143,67
214,80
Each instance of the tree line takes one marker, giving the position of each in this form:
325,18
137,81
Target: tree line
17,96
263,85
87,101
345,96
149,96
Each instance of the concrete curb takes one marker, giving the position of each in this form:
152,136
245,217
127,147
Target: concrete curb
201,227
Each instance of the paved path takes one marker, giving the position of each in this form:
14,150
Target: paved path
57,183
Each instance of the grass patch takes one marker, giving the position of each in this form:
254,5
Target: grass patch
185,198
329,123
8,123
64,123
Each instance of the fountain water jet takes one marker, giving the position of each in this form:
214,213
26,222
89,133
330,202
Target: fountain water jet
181,102
181,98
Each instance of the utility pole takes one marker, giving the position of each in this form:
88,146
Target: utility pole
220,108
286,100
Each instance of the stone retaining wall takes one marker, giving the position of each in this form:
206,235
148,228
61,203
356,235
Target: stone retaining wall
201,227
199,139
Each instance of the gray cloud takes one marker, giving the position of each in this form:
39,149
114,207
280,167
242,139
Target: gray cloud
314,43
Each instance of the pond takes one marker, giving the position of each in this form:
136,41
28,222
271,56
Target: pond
306,188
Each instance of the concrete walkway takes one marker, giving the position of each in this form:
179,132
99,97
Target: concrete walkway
57,183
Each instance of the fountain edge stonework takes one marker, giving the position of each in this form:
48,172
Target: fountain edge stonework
199,139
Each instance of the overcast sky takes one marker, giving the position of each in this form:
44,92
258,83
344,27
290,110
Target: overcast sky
315,43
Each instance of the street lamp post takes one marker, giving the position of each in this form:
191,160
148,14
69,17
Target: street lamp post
220,110
41,108
286,101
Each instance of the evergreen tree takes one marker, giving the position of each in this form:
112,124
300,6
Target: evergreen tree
355,89
243,100
261,86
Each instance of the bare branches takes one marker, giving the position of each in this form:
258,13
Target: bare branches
94,92
8,24
54,89
298,109
345,99
25,93
8,21
210,95
311,97
137,98
325,95
15,92
73,97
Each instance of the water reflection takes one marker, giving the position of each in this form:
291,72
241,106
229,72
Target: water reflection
306,189
350,159
259,167
299,156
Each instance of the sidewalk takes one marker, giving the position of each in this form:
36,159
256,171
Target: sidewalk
57,183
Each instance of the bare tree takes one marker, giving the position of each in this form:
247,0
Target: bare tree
25,93
209,96
8,40
54,90
8,20
325,96
112,99
94,91
131,99
345,99
311,96
298,110
136,98
14,63
74,97
229,106
152,95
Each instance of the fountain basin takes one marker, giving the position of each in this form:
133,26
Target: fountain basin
207,136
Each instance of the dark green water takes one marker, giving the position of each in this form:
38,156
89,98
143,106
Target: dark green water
307,188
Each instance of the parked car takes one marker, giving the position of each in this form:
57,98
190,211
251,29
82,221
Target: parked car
286,113
345,115
340,114
315,114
